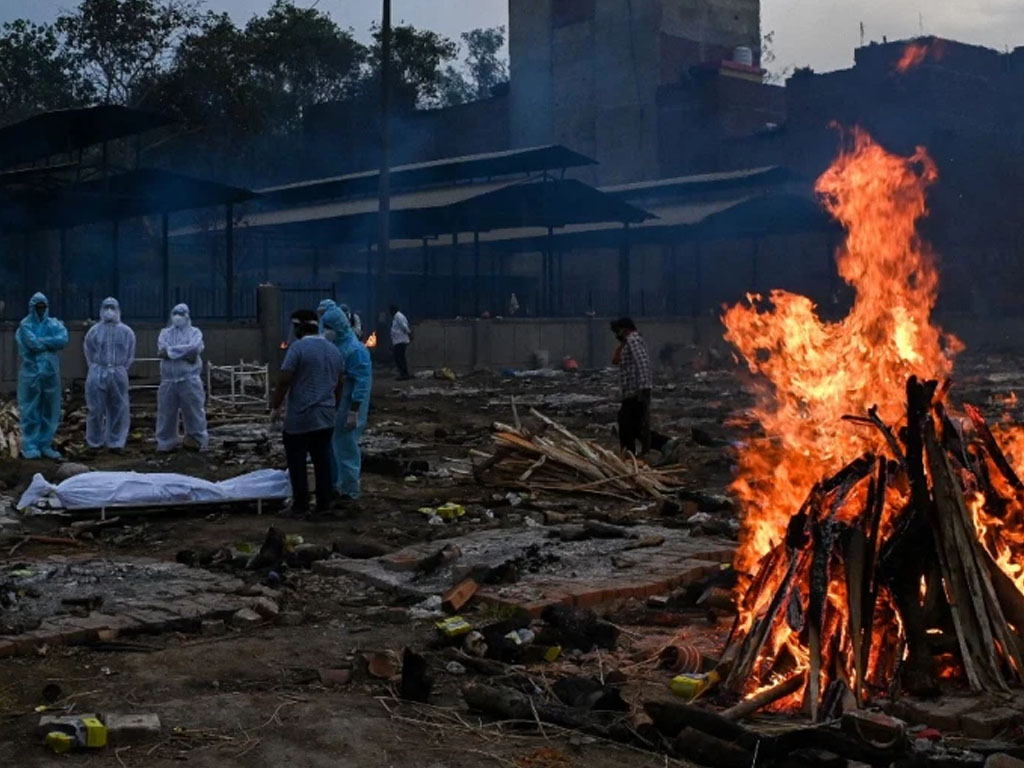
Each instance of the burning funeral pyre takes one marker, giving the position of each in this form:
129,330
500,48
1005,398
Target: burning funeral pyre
883,538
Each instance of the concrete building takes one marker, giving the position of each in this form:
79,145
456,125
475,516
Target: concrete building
587,73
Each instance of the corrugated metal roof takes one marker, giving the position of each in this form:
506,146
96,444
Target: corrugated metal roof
68,130
445,171
704,182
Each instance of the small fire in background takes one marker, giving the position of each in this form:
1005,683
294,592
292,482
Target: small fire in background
284,345
371,342
915,54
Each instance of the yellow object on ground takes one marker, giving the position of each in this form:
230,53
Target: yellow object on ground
454,626
690,687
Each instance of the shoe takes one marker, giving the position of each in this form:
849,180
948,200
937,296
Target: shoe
50,453
668,452
30,453
296,513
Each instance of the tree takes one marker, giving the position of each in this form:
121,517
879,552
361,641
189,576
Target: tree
123,45
483,69
301,54
36,72
417,57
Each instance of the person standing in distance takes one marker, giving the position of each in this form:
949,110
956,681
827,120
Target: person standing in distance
39,338
181,394
401,336
109,352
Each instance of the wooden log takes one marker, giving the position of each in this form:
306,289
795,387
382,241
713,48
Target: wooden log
977,617
992,447
671,718
698,747
766,698
509,704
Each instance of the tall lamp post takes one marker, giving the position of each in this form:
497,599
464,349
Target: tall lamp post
384,193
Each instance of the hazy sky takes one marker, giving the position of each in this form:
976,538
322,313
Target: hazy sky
819,33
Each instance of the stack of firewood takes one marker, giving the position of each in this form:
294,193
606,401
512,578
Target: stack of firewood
901,592
10,430
552,458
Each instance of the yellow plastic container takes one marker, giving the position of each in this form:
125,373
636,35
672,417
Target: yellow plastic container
690,687
95,733
454,626
59,742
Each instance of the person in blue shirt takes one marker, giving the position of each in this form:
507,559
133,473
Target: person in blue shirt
39,338
355,402
109,353
311,381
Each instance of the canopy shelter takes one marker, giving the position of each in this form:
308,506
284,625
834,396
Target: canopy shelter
546,203
550,159
30,203
67,131
739,211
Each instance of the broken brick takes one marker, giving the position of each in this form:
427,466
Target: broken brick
456,597
944,714
989,723
246,617
266,608
335,677
873,727
131,728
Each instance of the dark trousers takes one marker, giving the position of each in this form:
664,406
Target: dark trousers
317,445
635,427
403,367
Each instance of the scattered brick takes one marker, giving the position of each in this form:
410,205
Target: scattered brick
989,723
456,597
246,617
266,608
131,729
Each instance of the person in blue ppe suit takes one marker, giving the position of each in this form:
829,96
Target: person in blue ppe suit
354,320
109,353
321,310
181,394
355,402
40,337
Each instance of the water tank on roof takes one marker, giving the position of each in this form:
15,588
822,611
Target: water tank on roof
742,54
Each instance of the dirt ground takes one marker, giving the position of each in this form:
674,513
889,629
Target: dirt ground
255,697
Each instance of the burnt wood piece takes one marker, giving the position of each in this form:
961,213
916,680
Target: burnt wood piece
766,698
994,451
977,615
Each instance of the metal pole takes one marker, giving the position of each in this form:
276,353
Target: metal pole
63,278
384,202
455,274
624,286
165,262
115,243
229,259
476,272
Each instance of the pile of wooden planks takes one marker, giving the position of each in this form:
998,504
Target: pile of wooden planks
552,458
10,430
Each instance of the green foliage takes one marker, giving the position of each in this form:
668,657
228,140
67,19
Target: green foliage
36,72
227,80
122,45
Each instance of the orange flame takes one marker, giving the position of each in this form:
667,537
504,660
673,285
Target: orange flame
813,372
915,54
371,342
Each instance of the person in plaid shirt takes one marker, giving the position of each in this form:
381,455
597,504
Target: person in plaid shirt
636,381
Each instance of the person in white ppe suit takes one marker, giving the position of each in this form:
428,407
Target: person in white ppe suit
109,353
181,395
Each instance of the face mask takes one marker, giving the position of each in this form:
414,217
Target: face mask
179,321
330,335
41,311
109,314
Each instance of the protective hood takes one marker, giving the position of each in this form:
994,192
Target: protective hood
325,305
181,309
111,303
336,320
38,298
